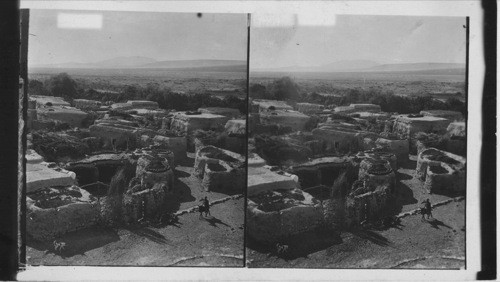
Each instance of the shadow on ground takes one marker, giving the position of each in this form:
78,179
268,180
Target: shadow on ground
150,234
409,164
371,236
183,192
213,221
298,246
187,162
435,223
404,195
78,242
181,174
403,176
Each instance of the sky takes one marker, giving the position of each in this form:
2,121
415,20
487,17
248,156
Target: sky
160,36
382,39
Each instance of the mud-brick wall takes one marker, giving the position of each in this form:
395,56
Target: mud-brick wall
300,219
422,165
190,124
142,162
178,145
110,209
373,180
400,148
226,180
46,224
337,140
378,205
147,203
334,213
275,226
449,182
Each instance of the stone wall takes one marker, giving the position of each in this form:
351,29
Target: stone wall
261,179
441,172
228,112
321,171
221,177
264,105
149,177
69,115
340,140
188,123
145,204
220,170
406,126
366,108
443,179
376,173
372,205
434,157
450,115
308,108
211,154
288,118
178,145
273,226
45,223
87,104
40,176
401,148
123,135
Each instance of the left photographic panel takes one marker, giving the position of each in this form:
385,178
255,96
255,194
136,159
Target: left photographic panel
136,138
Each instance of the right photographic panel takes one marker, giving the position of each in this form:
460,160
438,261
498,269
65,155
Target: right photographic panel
357,142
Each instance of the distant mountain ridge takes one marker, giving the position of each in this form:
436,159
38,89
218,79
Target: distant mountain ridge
368,66
138,62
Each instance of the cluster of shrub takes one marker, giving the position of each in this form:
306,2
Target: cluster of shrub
62,85
286,89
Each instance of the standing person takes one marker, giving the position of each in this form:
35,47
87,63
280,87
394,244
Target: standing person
426,209
205,206
206,203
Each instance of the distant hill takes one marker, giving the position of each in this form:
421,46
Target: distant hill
182,64
138,62
416,67
120,62
348,65
371,66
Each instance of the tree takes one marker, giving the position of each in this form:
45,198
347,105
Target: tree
35,87
62,85
258,91
285,88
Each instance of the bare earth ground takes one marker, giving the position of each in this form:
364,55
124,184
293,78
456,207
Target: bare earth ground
438,243
217,241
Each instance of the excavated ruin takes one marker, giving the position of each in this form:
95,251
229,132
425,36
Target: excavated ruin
56,210
275,215
288,118
377,172
99,167
220,170
321,171
152,169
187,122
368,202
405,126
442,172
